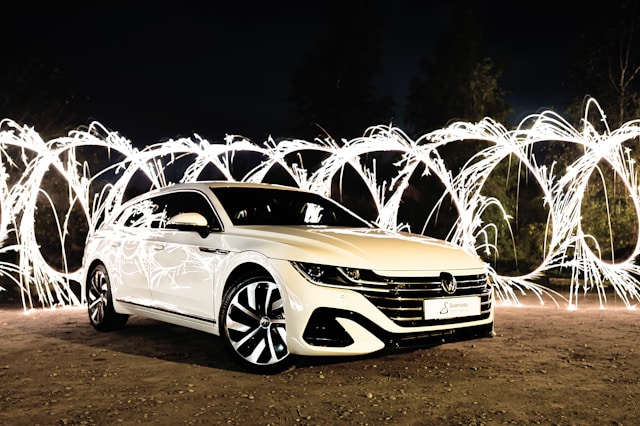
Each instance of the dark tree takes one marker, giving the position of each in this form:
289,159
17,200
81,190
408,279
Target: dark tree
333,89
607,61
459,82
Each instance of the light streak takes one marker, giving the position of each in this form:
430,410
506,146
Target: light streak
95,188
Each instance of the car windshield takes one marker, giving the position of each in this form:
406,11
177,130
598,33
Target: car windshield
265,206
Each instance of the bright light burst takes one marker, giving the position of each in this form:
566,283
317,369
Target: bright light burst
96,184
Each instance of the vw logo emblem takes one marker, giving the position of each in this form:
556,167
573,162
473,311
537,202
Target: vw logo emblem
448,282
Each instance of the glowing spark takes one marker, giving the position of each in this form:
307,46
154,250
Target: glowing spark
95,188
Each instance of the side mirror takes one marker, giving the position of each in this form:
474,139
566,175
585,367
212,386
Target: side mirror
190,221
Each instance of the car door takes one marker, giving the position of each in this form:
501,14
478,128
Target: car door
182,261
127,253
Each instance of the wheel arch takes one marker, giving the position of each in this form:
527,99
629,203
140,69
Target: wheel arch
244,270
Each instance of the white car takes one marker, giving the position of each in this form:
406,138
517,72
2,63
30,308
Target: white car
278,272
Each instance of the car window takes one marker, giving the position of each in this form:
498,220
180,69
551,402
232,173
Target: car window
156,212
141,215
260,206
184,202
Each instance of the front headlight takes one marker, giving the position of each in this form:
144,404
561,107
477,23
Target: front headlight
337,275
321,274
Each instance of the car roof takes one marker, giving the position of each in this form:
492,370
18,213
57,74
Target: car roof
206,184
223,184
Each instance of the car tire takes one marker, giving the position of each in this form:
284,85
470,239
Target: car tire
102,314
253,326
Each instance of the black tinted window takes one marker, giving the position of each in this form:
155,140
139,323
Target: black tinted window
186,202
156,212
263,206
141,215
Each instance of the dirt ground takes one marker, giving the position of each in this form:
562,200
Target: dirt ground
545,366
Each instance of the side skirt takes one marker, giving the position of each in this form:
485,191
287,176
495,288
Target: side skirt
165,315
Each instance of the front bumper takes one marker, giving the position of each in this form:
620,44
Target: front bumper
332,322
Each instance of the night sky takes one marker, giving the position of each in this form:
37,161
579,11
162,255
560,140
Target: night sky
164,71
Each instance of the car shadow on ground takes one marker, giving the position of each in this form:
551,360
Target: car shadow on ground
140,337
153,339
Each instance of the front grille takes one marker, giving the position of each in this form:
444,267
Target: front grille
402,299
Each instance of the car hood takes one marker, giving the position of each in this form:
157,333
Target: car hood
375,249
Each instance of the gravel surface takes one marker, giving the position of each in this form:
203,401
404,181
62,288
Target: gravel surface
547,365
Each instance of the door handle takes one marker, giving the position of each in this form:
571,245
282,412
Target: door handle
213,250
158,247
